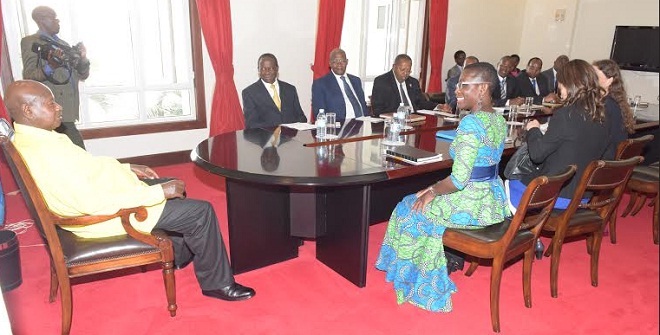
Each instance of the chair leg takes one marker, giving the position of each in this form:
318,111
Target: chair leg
67,305
597,239
527,277
554,265
655,220
639,205
473,267
590,241
54,284
495,279
612,225
170,287
631,203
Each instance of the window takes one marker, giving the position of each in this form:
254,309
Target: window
388,28
146,72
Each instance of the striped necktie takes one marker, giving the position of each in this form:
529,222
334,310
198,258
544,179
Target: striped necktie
536,87
351,97
503,89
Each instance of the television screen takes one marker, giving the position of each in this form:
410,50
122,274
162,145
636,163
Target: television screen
636,48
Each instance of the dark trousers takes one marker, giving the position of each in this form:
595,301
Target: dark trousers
69,129
193,228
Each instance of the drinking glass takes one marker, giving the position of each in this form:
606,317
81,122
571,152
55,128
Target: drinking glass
635,104
392,130
511,123
331,124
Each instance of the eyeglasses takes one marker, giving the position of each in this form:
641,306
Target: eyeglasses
461,84
339,61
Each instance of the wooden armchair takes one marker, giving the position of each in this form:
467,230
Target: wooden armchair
72,256
511,238
627,149
605,181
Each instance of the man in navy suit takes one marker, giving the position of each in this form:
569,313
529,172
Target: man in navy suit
339,92
551,73
507,92
397,86
270,102
533,84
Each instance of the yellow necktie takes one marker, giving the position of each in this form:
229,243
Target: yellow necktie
276,98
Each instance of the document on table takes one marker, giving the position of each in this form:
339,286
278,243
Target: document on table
299,126
369,119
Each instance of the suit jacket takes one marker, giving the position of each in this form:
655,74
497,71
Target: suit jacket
450,95
66,94
526,89
453,72
326,94
549,74
512,91
385,96
572,138
259,108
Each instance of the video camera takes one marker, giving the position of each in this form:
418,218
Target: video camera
70,55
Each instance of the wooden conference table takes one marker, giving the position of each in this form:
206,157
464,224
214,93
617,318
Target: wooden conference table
330,191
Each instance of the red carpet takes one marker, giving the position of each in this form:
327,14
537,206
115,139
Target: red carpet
302,296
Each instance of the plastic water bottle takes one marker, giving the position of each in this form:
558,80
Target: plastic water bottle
320,124
400,116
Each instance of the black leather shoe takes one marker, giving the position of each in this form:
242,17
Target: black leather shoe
233,292
184,264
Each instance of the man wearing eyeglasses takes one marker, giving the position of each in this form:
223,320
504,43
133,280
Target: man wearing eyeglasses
397,86
339,92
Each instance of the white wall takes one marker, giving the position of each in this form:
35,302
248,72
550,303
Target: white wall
488,29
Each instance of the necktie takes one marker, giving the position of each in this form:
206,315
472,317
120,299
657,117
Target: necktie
276,97
536,87
402,91
555,84
503,89
351,97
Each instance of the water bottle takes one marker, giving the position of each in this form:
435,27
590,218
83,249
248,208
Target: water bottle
320,124
400,116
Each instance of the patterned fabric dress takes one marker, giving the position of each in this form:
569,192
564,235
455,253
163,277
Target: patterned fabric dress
412,253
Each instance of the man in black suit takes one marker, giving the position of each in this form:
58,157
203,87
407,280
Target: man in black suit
507,92
397,86
551,73
270,102
533,84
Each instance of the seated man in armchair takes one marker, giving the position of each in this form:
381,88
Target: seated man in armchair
74,183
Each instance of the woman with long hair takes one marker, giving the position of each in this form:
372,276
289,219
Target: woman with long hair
412,253
576,134
618,111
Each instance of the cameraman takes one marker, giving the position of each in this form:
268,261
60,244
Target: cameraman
50,60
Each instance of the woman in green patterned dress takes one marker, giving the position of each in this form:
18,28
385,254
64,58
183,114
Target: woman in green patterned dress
472,196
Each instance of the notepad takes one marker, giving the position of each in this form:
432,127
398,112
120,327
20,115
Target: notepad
413,155
447,135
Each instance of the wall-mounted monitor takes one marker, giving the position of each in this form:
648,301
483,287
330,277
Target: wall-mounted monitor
637,48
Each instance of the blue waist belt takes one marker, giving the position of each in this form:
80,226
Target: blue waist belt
483,173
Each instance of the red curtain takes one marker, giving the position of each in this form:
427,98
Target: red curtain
437,38
328,33
3,110
215,18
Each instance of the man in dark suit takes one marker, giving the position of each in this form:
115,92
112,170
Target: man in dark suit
339,92
533,84
507,92
551,73
397,86
270,102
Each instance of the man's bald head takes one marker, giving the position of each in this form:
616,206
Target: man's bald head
46,20
31,103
